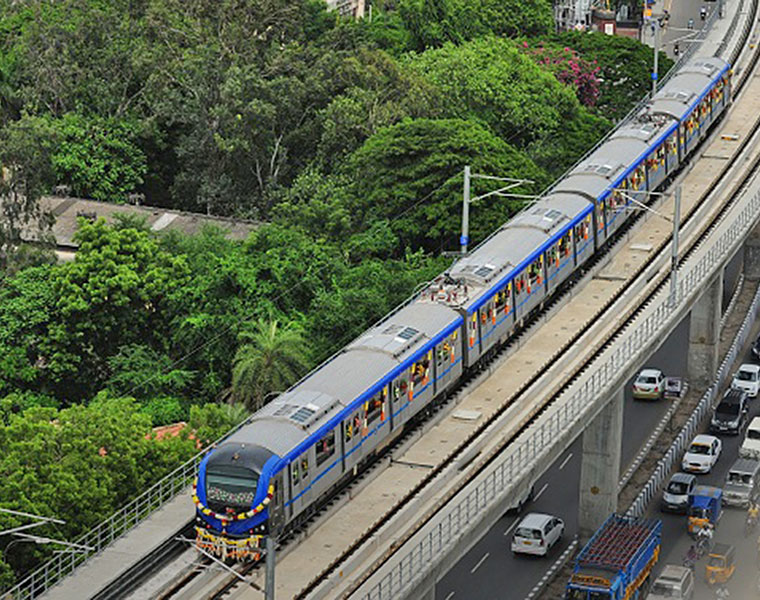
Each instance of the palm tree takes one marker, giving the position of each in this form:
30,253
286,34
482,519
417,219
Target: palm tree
271,359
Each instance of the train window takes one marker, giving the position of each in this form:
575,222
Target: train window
399,389
419,371
442,354
305,467
348,431
501,299
600,215
294,473
374,408
325,447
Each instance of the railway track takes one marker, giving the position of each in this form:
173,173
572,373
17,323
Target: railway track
229,584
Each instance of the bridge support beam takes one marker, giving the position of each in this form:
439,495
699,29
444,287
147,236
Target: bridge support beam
600,467
704,334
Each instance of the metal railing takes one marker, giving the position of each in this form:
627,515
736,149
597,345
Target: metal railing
534,445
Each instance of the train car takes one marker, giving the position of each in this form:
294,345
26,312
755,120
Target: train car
296,450
695,97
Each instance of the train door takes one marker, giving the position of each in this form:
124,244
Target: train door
276,508
325,458
487,324
447,364
473,338
503,312
671,152
600,222
352,426
682,132
558,261
399,399
420,381
656,170
376,425
616,203
583,240
300,480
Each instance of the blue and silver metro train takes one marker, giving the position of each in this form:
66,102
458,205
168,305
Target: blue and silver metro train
300,447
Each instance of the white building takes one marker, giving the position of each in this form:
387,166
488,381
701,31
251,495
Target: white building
348,8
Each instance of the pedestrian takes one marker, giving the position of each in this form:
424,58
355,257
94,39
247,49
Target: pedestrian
675,49
703,12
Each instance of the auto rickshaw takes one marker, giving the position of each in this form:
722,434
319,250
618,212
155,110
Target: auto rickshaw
720,564
705,505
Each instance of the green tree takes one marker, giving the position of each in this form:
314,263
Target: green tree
492,81
114,293
432,23
79,464
625,67
138,370
98,158
411,174
25,174
270,359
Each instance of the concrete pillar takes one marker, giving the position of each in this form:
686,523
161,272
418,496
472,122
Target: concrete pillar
752,256
600,467
704,334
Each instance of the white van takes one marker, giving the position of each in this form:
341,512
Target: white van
751,446
747,378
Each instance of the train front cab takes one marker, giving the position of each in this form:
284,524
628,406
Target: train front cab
234,495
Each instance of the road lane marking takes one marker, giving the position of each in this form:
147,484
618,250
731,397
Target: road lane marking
541,491
480,562
511,527
564,462
450,596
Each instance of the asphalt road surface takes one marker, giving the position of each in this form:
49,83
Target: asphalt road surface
490,571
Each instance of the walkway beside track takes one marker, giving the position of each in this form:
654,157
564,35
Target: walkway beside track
104,568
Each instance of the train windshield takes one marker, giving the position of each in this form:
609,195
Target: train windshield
231,486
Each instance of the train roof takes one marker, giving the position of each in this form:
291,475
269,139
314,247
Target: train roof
685,89
351,376
407,330
604,169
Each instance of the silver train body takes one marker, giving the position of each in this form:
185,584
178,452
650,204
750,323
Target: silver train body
313,437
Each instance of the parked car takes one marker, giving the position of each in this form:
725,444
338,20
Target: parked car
674,583
649,384
750,448
537,533
675,496
747,378
702,454
730,416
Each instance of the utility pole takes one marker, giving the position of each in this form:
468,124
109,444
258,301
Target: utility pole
464,239
269,585
656,30
674,257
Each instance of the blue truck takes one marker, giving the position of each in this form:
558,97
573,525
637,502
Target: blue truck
617,561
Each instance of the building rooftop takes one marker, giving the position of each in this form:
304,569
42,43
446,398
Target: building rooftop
67,211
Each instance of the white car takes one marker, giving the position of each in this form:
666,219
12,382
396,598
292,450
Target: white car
747,378
537,533
650,383
750,447
702,454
